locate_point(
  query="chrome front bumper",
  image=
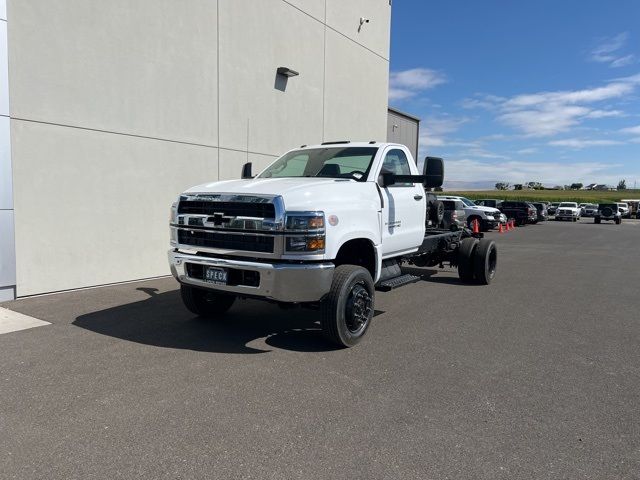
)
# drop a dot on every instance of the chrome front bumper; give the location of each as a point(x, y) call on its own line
point(284, 282)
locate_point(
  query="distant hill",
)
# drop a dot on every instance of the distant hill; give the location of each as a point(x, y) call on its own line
point(477, 185)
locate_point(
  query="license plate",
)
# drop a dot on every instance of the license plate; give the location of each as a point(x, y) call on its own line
point(215, 275)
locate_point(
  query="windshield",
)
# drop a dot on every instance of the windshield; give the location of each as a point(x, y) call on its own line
point(345, 162)
point(467, 202)
point(569, 204)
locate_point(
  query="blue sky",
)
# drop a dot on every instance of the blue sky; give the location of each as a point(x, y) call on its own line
point(522, 91)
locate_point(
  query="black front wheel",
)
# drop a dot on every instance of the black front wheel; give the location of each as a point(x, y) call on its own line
point(347, 310)
point(205, 303)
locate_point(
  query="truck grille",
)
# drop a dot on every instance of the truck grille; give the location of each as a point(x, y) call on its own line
point(227, 241)
point(228, 209)
point(227, 221)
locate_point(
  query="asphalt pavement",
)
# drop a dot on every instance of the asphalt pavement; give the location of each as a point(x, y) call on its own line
point(536, 376)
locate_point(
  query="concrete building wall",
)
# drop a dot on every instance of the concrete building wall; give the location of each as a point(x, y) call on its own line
point(116, 107)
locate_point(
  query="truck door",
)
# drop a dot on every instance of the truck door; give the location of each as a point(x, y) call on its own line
point(403, 213)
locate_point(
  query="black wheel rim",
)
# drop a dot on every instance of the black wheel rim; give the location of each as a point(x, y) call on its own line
point(358, 309)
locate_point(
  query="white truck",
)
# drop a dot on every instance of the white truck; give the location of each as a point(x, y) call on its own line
point(322, 226)
point(487, 217)
point(568, 211)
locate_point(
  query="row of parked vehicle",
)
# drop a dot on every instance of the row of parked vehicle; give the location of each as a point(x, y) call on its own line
point(610, 211)
point(491, 212)
point(591, 209)
point(460, 211)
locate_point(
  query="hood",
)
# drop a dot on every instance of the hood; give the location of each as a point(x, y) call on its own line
point(298, 193)
point(489, 210)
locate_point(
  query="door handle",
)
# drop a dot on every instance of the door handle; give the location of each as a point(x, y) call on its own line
point(417, 197)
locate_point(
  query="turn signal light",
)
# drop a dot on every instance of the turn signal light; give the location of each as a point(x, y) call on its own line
point(315, 244)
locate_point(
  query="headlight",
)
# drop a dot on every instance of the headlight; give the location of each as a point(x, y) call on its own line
point(308, 229)
point(305, 244)
point(305, 222)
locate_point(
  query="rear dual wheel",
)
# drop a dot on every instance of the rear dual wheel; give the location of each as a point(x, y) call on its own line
point(477, 261)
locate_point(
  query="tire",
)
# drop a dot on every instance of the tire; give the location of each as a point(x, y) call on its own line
point(596, 220)
point(485, 262)
point(347, 310)
point(205, 303)
point(435, 209)
point(574, 219)
point(466, 252)
point(436, 212)
point(618, 221)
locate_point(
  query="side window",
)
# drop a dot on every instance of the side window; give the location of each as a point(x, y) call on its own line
point(396, 162)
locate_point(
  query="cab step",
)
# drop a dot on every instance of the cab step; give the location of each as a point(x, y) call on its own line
point(396, 282)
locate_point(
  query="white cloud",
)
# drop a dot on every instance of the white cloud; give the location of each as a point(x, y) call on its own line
point(632, 130)
point(433, 131)
point(544, 114)
point(579, 143)
point(544, 120)
point(409, 83)
point(605, 113)
point(526, 151)
point(623, 61)
point(400, 94)
point(478, 152)
point(608, 51)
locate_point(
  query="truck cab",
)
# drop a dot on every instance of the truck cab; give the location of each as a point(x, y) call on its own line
point(321, 225)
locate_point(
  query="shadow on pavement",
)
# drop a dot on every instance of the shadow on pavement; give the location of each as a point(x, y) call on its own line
point(162, 321)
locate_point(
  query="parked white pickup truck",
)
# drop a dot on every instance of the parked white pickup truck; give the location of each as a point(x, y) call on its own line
point(488, 217)
point(568, 211)
point(322, 226)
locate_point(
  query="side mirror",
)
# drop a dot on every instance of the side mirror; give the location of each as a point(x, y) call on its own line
point(433, 172)
point(386, 179)
point(246, 170)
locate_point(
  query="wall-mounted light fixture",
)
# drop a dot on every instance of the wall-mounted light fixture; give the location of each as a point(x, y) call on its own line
point(287, 72)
